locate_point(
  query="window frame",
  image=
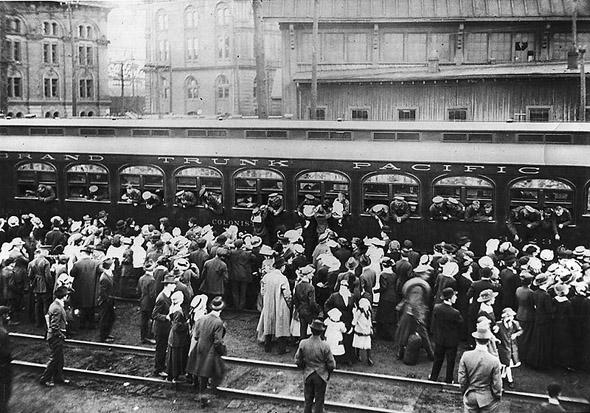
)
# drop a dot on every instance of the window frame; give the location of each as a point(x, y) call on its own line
point(541, 201)
point(463, 197)
point(391, 192)
point(322, 194)
point(258, 197)
point(142, 186)
point(359, 109)
point(34, 183)
point(456, 110)
point(88, 183)
point(548, 108)
point(199, 182)
point(411, 109)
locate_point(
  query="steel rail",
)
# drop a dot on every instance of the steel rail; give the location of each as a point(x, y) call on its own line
point(357, 374)
point(228, 391)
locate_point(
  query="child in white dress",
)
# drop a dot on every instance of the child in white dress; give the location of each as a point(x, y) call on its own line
point(363, 329)
point(334, 330)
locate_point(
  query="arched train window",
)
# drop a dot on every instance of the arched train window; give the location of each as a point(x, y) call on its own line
point(30, 175)
point(194, 178)
point(87, 182)
point(381, 188)
point(144, 178)
point(541, 193)
point(465, 189)
point(323, 185)
point(253, 186)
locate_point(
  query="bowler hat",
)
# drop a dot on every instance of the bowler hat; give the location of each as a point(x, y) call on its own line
point(217, 303)
point(464, 239)
point(317, 325)
point(447, 293)
point(482, 333)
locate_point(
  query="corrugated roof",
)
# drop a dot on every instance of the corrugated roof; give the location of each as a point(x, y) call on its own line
point(421, 73)
point(359, 10)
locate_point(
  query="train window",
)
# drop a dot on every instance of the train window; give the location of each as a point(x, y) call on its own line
point(558, 138)
point(406, 114)
point(320, 112)
point(457, 114)
point(539, 114)
point(323, 185)
point(97, 132)
point(330, 135)
point(194, 179)
point(384, 136)
point(541, 193)
point(160, 132)
point(408, 136)
point(465, 188)
point(380, 189)
point(87, 182)
point(30, 175)
point(318, 135)
point(46, 131)
point(253, 186)
point(143, 178)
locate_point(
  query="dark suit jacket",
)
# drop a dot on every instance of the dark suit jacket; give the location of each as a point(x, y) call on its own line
point(56, 320)
point(106, 287)
point(161, 308)
point(446, 325)
point(146, 287)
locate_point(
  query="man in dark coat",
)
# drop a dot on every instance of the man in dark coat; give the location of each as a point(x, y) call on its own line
point(161, 327)
point(403, 269)
point(209, 333)
point(41, 282)
point(446, 328)
point(215, 275)
point(240, 263)
point(85, 285)
point(106, 301)
point(5, 360)
point(529, 218)
point(315, 358)
point(510, 282)
point(304, 301)
point(56, 238)
point(399, 210)
point(200, 255)
point(146, 287)
point(56, 334)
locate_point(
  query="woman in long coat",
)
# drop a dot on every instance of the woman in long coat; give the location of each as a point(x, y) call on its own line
point(539, 353)
point(209, 332)
point(563, 346)
point(178, 339)
point(525, 314)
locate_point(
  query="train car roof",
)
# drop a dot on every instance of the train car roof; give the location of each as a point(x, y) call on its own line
point(189, 123)
point(359, 151)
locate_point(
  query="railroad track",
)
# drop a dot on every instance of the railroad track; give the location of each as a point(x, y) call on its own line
point(273, 375)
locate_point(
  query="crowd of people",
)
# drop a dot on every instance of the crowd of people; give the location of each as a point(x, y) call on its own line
point(530, 304)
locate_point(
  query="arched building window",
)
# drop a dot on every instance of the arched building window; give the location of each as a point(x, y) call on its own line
point(222, 15)
point(29, 175)
point(253, 186)
point(191, 18)
point(86, 86)
point(161, 21)
point(87, 182)
point(15, 84)
point(325, 186)
point(222, 87)
point(541, 193)
point(142, 177)
point(381, 188)
point(192, 88)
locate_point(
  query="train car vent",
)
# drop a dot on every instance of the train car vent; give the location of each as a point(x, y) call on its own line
point(160, 132)
point(408, 136)
point(558, 138)
point(217, 134)
point(481, 137)
point(3, 131)
point(454, 137)
point(281, 134)
point(197, 133)
point(140, 132)
point(88, 132)
point(106, 132)
point(318, 135)
point(37, 131)
point(530, 138)
point(384, 136)
point(55, 131)
point(255, 134)
point(341, 136)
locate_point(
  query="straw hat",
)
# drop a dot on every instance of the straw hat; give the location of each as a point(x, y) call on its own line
point(486, 295)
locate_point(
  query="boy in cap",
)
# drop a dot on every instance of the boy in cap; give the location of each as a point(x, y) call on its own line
point(315, 358)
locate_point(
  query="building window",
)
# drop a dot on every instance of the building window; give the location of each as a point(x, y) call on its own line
point(465, 189)
point(541, 193)
point(190, 18)
point(500, 47)
point(196, 179)
point(86, 88)
point(143, 178)
point(50, 54)
point(87, 182)
point(51, 86)
point(15, 86)
point(359, 114)
point(222, 85)
point(320, 112)
point(14, 48)
point(50, 29)
point(192, 88)
point(356, 47)
point(539, 114)
point(406, 114)
point(223, 47)
point(162, 21)
point(163, 50)
point(253, 186)
point(192, 48)
point(223, 16)
point(85, 32)
point(14, 25)
point(381, 188)
point(524, 47)
point(325, 186)
point(457, 114)
point(30, 175)
point(85, 55)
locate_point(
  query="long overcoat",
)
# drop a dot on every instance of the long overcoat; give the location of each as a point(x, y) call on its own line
point(275, 317)
point(208, 333)
point(85, 273)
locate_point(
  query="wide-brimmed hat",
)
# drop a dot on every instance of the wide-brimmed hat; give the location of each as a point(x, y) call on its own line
point(540, 279)
point(450, 269)
point(508, 312)
point(182, 264)
point(482, 333)
point(323, 237)
point(17, 241)
point(448, 293)
point(453, 201)
point(351, 264)
point(562, 289)
point(317, 325)
point(298, 248)
point(267, 251)
point(437, 199)
point(579, 251)
point(13, 221)
point(308, 269)
point(217, 303)
point(485, 262)
point(547, 255)
point(529, 208)
point(486, 295)
point(146, 195)
point(255, 241)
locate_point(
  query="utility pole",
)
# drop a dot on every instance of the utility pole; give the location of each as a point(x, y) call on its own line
point(582, 51)
point(261, 81)
point(73, 46)
point(3, 59)
point(122, 80)
point(315, 38)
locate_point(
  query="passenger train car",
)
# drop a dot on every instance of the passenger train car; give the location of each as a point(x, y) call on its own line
point(243, 161)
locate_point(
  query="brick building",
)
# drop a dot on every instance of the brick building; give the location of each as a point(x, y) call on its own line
point(200, 57)
point(484, 60)
point(54, 58)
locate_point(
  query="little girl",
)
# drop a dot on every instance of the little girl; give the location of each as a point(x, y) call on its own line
point(508, 331)
point(363, 329)
point(334, 330)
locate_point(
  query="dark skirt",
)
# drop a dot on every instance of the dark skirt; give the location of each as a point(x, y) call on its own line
point(539, 352)
point(524, 341)
point(386, 319)
point(176, 359)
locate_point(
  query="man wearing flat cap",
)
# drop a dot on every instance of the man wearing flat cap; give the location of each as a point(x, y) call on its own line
point(399, 210)
point(315, 358)
point(480, 375)
point(446, 328)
